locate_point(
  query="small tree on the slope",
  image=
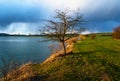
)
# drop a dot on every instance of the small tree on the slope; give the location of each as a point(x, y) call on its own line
point(116, 33)
point(62, 23)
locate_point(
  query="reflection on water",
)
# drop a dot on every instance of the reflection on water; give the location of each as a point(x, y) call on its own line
point(24, 49)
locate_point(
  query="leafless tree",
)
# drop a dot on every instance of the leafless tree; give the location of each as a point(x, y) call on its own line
point(63, 22)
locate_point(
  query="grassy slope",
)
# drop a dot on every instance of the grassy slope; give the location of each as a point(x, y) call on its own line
point(92, 60)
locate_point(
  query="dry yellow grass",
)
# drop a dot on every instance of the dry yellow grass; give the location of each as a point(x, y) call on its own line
point(20, 74)
point(82, 37)
point(69, 49)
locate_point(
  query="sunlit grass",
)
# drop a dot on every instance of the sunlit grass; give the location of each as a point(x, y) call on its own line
point(91, 60)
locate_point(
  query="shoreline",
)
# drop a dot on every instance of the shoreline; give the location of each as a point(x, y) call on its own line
point(69, 49)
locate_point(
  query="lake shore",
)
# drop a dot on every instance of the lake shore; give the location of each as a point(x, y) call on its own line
point(92, 60)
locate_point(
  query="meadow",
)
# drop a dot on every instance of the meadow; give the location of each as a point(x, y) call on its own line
point(92, 60)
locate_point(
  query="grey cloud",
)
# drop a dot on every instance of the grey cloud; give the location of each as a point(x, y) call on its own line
point(108, 10)
point(11, 13)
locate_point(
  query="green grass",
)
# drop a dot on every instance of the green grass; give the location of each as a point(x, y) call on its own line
point(92, 60)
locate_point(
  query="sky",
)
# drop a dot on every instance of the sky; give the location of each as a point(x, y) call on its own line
point(26, 16)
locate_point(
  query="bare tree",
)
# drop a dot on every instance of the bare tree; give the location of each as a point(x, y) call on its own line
point(63, 22)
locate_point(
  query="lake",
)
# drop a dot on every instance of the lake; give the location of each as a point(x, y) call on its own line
point(24, 49)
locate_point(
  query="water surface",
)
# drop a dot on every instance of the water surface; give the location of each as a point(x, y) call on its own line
point(24, 49)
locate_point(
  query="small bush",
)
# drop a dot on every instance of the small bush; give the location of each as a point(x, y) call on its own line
point(93, 36)
point(116, 33)
point(82, 37)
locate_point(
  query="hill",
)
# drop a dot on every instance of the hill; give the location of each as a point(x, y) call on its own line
point(4, 34)
point(92, 60)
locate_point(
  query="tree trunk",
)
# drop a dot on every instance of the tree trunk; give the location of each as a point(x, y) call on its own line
point(64, 47)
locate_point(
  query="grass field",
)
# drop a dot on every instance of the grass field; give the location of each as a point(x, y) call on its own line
point(92, 60)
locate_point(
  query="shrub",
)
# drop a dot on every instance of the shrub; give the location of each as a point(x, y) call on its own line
point(82, 37)
point(116, 33)
point(93, 36)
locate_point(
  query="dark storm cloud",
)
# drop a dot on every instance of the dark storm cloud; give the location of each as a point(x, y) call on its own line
point(102, 15)
point(16, 12)
point(108, 10)
point(102, 26)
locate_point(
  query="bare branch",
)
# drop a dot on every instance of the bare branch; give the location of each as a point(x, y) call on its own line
point(63, 22)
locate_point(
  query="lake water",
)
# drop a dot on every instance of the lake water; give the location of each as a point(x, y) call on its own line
point(24, 49)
